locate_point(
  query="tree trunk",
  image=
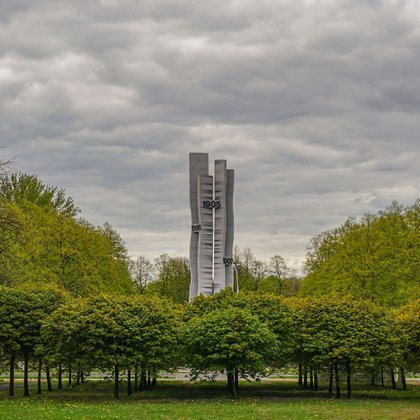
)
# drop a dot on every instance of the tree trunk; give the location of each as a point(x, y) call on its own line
point(237, 381)
point(229, 381)
point(393, 383)
point(141, 383)
point(311, 378)
point(315, 381)
point(330, 386)
point(136, 380)
point(382, 377)
point(149, 379)
point(300, 374)
point(154, 382)
point(39, 376)
point(305, 377)
point(231, 384)
point(48, 373)
point(70, 374)
point(12, 375)
point(129, 389)
point(116, 382)
point(78, 377)
point(25, 374)
point(144, 380)
point(348, 377)
point(82, 377)
point(337, 382)
point(60, 376)
point(403, 381)
point(372, 380)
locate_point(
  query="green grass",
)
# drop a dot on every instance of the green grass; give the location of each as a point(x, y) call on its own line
point(181, 400)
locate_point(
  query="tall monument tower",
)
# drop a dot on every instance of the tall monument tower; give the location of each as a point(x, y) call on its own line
point(212, 225)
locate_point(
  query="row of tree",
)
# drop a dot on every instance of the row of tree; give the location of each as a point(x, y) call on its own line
point(170, 276)
point(239, 334)
point(43, 240)
point(376, 258)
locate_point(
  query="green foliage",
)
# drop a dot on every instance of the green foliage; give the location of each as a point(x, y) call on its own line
point(343, 330)
point(46, 244)
point(408, 317)
point(273, 277)
point(173, 279)
point(268, 308)
point(23, 188)
point(230, 338)
point(101, 332)
point(376, 258)
point(21, 314)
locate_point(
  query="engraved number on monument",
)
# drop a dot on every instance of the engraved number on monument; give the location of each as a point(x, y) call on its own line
point(212, 204)
point(196, 227)
point(227, 260)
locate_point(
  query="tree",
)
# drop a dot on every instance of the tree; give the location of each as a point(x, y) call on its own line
point(21, 314)
point(375, 258)
point(19, 188)
point(251, 271)
point(142, 273)
point(173, 278)
point(229, 339)
point(114, 333)
point(52, 246)
point(9, 228)
point(408, 318)
point(268, 308)
point(348, 334)
point(279, 270)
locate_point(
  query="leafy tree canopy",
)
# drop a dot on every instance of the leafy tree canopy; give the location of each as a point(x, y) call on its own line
point(375, 258)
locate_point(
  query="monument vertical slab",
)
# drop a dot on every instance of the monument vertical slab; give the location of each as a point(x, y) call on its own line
point(199, 165)
point(230, 223)
point(211, 245)
point(205, 236)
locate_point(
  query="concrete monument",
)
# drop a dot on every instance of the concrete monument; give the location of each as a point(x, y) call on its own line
point(212, 225)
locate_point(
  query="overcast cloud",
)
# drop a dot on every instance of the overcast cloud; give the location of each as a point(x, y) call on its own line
point(314, 103)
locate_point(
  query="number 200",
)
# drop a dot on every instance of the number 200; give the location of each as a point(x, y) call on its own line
point(212, 204)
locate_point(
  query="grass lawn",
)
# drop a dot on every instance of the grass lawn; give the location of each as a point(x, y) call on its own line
point(181, 400)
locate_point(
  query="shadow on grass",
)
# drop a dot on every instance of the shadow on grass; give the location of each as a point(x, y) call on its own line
point(180, 391)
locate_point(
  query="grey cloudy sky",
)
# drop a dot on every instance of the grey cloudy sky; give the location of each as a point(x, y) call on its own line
point(314, 103)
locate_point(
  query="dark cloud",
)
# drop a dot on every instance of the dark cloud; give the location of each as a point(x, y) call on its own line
point(315, 104)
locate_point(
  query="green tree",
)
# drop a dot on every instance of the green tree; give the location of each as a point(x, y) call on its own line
point(19, 188)
point(229, 339)
point(268, 308)
point(21, 314)
point(53, 246)
point(408, 317)
point(173, 278)
point(376, 258)
point(114, 332)
point(348, 334)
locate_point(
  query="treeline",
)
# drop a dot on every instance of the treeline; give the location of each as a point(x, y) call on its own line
point(170, 276)
point(242, 335)
point(375, 258)
point(43, 241)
